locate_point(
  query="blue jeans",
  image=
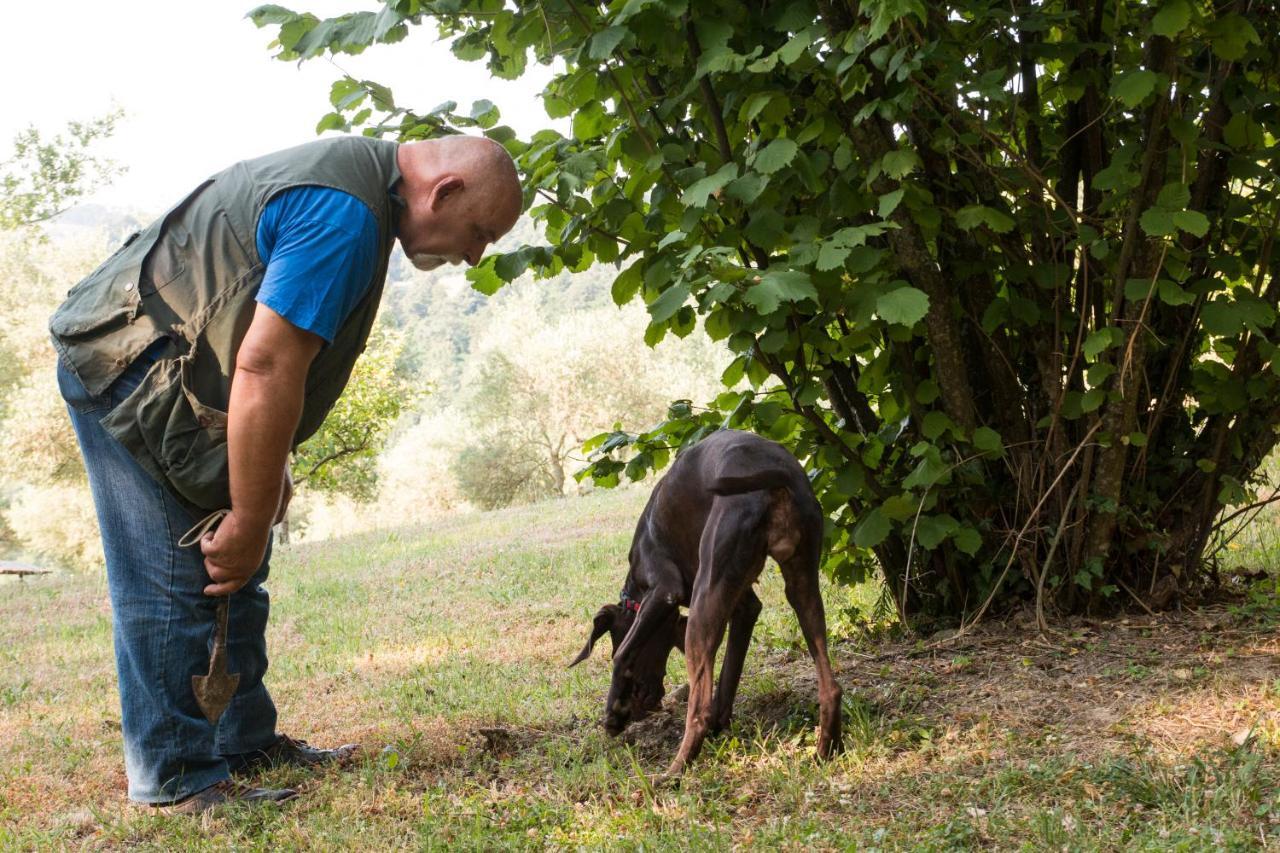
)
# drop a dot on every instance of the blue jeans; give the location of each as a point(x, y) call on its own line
point(163, 621)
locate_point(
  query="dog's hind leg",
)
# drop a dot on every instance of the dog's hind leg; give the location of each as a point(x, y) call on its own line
point(729, 551)
point(801, 576)
point(741, 625)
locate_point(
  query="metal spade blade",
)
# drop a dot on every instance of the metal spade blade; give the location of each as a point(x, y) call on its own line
point(214, 691)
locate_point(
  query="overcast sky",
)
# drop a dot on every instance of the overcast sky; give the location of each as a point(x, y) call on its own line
point(200, 89)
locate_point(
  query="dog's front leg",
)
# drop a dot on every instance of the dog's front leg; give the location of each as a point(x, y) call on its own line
point(708, 614)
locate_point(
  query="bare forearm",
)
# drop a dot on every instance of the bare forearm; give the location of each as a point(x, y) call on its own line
point(261, 420)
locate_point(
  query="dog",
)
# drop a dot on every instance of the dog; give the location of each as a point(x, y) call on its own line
point(727, 503)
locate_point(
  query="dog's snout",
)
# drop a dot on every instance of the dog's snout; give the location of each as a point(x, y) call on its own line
point(617, 716)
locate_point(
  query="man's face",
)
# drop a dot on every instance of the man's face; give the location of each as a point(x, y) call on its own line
point(452, 222)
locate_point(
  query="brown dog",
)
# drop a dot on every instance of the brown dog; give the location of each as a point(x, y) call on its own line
point(727, 504)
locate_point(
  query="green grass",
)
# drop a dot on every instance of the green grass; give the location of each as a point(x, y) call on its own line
point(443, 651)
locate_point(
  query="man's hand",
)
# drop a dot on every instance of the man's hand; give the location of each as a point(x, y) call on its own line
point(233, 552)
point(285, 496)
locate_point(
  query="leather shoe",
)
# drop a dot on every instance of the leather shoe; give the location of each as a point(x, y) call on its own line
point(288, 752)
point(221, 793)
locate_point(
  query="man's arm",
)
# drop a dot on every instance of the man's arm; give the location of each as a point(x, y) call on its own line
point(262, 417)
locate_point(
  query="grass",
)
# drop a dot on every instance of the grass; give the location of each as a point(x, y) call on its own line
point(442, 650)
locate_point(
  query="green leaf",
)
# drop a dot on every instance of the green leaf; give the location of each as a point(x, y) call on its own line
point(1243, 132)
point(747, 188)
point(1133, 88)
point(483, 277)
point(906, 305)
point(485, 113)
point(1231, 36)
point(1226, 318)
point(780, 286)
point(971, 216)
point(872, 530)
point(775, 156)
point(898, 164)
point(590, 121)
point(654, 333)
point(1172, 18)
point(627, 284)
point(699, 191)
point(1100, 340)
point(935, 424)
point(669, 302)
point(930, 470)
point(765, 228)
point(1172, 294)
point(1092, 399)
point(932, 529)
point(831, 255)
point(1222, 317)
point(968, 540)
point(793, 49)
point(1192, 221)
point(1175, 196)
point(606, 41)
point(988, 441)
point(889, 202)
point(1099, 373)
point(511, 265)
point(1137, 289)
point(1158, 222)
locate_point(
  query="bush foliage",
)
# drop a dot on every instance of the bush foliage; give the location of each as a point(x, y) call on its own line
point(1002, 275)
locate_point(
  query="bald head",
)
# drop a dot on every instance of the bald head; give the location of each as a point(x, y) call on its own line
point(461, 193)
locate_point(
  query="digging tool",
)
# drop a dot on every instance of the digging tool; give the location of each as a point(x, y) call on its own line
point(214, 691)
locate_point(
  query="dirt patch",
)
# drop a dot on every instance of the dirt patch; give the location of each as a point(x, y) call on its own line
point(1178, 680)
point(1173, 683)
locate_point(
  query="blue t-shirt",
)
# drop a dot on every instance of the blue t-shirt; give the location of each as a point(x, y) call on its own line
point(320, 247)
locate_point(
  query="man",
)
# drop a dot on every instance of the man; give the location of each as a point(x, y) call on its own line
point(193, 361)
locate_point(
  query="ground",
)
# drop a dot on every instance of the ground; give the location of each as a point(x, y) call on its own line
point(443, 651)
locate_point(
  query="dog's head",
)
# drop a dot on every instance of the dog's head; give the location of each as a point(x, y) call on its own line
point(637, 687)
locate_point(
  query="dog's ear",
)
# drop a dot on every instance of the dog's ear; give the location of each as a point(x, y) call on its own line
point(677, 630)
point(600, 626)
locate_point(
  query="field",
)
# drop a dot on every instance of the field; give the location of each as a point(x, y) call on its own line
point(443, 651)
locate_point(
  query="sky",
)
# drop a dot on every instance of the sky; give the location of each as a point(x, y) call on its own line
point(200, 88)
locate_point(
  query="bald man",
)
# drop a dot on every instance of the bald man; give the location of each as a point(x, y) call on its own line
point(193, 361)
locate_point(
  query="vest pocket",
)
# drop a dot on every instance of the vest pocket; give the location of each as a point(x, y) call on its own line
point(186, 437)
point(106, 299)
point(168, 260)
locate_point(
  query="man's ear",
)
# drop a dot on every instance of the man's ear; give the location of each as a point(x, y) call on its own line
point(600, 626)
point(445, 187)
point(682, 624)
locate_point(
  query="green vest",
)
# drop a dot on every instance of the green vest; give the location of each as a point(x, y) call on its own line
point(191, 277)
